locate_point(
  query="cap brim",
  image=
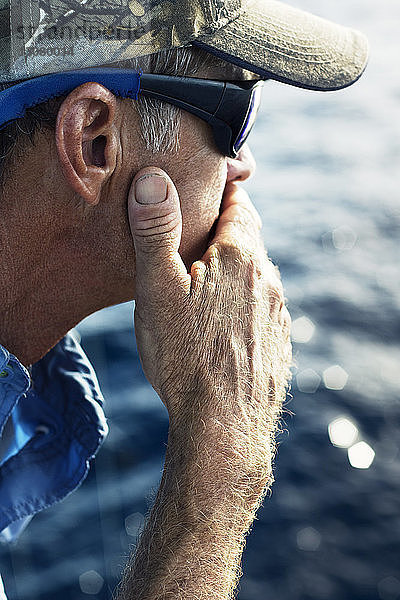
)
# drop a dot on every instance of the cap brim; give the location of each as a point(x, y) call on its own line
point(280, 42)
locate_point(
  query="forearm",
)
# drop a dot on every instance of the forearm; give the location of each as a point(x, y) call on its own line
point(192, 544)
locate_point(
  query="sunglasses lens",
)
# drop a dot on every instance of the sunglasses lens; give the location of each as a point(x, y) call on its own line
point(250, 117)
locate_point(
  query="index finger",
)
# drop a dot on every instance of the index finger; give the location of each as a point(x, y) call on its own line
point(239, 221)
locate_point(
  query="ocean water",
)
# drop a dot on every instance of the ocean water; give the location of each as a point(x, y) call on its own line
point(327, 187)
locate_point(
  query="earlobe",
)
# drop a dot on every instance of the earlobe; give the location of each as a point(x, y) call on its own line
point(86, 139)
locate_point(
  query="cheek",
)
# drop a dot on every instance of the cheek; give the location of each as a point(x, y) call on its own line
point(195, 233)
point(200, 210)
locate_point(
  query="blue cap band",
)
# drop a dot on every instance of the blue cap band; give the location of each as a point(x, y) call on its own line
point(15, 100)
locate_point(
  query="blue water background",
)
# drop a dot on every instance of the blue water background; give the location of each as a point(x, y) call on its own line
point(327, 187)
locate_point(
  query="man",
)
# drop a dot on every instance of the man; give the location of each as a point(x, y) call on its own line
point(93, 216)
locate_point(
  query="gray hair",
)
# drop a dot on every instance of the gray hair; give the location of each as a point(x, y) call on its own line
point(159, 121)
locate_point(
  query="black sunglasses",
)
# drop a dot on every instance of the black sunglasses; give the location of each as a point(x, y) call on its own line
point(230, 107)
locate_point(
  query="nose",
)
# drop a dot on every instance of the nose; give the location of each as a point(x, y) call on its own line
point(242, 167)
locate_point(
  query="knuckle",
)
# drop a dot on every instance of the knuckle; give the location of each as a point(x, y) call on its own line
point(213, 260)
point(226, 251)
point(213, 252)
point(235, 261)
point(250, 264)
point(197, 272)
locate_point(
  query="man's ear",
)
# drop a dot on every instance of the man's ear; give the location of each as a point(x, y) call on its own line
point(86, 139)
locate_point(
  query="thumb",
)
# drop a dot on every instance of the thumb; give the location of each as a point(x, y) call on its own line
point(155, 220)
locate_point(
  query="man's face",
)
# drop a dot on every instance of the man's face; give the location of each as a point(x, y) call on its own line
point(200, 173)
point(198, 170)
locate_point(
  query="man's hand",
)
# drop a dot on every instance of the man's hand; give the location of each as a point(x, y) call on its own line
point(215, 345)
point(213, 327)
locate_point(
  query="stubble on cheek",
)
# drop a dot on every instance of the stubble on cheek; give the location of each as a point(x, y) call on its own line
point(199, 172)
point(200, 204)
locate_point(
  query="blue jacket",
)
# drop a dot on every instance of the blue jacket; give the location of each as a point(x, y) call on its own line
point(51, 424)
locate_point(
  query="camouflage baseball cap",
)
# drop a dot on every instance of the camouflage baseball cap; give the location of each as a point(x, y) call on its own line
point(266, 37)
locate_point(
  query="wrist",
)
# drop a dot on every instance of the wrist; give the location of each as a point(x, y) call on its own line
point(218, 464)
